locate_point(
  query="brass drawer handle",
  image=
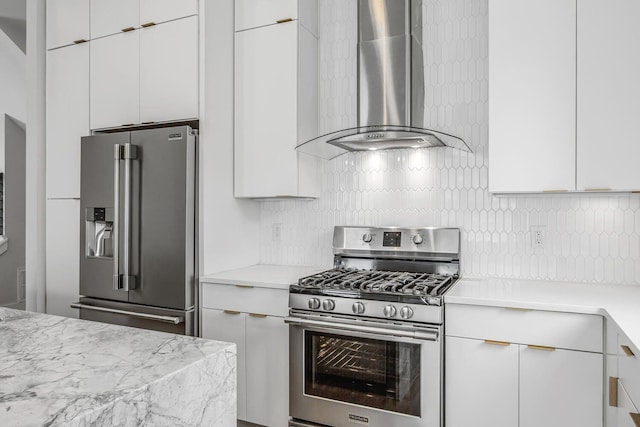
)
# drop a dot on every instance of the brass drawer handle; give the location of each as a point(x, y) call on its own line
point(126, 30)
point(635, 418)
point(555, 191)
point(231, 312)
point(282, 21)
point(502, 343)
point(245, 286)
point(541, 347)
point(148, 24)
point(613, 392)
point(517, 309)
point(597, 189)
point(80, 41)
point(257, 315)
point(627, 350)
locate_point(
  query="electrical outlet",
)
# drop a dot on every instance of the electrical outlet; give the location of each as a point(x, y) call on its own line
point(22, 290)
point(276, 232)
point(537, 237)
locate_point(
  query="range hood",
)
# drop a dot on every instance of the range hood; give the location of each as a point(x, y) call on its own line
point(390, 85)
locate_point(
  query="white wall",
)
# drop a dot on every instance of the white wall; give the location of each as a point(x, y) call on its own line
point(588, 238)
point(13, 92)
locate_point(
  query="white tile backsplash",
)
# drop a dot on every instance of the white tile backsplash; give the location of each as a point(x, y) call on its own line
point(587, 238)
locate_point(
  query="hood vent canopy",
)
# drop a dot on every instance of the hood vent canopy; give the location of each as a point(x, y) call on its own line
point(390, 85)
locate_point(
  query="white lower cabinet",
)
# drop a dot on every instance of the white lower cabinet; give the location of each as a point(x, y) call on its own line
point(253, 319)
point(560, 388)
point(481, 383)
point(63, 256)
point(527, 370)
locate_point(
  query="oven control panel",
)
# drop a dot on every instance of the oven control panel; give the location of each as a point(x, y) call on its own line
point(367, 308)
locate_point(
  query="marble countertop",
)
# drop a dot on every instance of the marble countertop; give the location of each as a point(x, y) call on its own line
point(262, 275)
point(57, 371)
point(619, 303)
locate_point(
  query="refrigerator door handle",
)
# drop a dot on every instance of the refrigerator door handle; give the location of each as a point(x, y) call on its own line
point(117, 156)
point(130, 152)
point(176, 320)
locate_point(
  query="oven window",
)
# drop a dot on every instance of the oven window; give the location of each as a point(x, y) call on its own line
point(373, 373)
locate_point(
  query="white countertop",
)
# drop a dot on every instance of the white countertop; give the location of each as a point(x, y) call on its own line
point(57, 371)
point(619, 303)
point(262, 276)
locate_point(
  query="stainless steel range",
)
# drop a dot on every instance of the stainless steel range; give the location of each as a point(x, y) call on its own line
point(366, 336)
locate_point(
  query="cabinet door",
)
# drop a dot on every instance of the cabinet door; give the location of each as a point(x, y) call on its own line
point(627, 414)
point(267, 370)
point(560, 388)
point(67, 21)
point(169, 71)
point(113, 16)
point(63, 256)
point(67, 118)
point(473, 368)
point(257, 13)
point(532, 95)
point(157, 11)
point(266, 113)
point(608, 94)
point(230, 327)
point(115, 91)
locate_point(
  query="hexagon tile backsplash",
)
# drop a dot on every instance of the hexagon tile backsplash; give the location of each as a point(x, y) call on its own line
point(586, 238)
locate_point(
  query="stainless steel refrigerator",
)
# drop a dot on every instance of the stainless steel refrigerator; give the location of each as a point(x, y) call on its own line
point(138, 229)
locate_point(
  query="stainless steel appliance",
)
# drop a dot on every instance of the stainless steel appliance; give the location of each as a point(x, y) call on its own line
point(138, 229)
point(366, 337)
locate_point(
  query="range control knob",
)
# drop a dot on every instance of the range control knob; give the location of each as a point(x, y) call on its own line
point(406, 312)
point(357, 308)
point(314, 303)
point(389, 311)
point(328, 304)
point(417, 239)
point(367, 237)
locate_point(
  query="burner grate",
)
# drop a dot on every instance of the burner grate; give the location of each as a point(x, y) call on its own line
point(379, 282)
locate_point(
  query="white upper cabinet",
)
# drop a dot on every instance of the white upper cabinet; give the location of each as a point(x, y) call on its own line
point(532, 95)
point(157, 11)
point(114, 71)
point(113, 16)
point(276, 97)
point(608, 95)
point(169, 71)
point(67, 22)
point(67, 117)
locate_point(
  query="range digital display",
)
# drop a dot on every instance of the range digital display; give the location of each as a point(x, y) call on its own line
point(392, 239)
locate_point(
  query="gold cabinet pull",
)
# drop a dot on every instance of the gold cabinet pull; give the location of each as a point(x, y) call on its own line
point(541, 347)
point(597, 189)
point(257, 315)
point(244, 286)
point(126, 30)
point(148, 24)
point(517, 309)
point(492, 342)
point(627, 350)
point(613, 392)
point(555, 191)
point(282, 21)
point(231, 312)
point(635, 418)
point(80, 41)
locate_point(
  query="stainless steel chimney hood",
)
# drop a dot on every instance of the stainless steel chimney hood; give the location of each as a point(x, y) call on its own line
point(390, 85)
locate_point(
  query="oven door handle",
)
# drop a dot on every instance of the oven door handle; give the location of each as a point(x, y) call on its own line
point(419, 335)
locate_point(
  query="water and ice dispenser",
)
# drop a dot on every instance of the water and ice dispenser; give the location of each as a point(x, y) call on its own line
point(99, 232)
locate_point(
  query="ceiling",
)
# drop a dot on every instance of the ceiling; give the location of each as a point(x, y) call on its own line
point(13, 21)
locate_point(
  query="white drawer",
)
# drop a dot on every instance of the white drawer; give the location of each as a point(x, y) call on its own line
point(246, 299)
point(531, 327)
point(629, 368)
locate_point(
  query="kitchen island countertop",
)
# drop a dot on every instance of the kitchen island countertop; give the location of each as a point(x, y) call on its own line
point(57, 371)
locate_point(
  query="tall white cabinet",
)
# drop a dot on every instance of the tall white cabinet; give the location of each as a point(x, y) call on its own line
point(276, 98)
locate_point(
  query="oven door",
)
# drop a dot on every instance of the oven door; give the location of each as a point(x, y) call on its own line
point(345, 371)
